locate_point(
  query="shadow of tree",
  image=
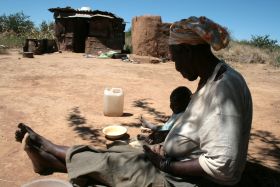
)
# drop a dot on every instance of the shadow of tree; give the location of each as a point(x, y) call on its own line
point(131, 124)
point(271, 148)
point(257, 175)
point(145, 105)
point(78, 122)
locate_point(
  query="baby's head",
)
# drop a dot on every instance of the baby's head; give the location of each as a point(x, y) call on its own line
point(179, 99)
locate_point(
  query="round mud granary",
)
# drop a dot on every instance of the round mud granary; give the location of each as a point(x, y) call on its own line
point(150, 36)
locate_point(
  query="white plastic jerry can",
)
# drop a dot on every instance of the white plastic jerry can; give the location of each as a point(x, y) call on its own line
point(113, 102)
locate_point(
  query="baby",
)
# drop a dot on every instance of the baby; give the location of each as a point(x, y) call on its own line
point(179, 100)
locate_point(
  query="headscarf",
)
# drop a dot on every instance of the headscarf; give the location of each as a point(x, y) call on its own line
point(196, 31)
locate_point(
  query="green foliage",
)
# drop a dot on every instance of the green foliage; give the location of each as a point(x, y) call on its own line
point(128, 33)
point(263, 42)
point(128, 46)
point(15, 28)
point(17, 23)
point(278, 60)
point(12, 40)
point(44, 31)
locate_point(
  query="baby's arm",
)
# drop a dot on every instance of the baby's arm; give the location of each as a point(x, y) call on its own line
point(147, 124)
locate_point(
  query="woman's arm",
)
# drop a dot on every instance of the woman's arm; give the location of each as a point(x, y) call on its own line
point(176, 168)
point(186, 168)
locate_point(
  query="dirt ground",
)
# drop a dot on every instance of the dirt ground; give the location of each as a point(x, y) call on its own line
point(61, 96)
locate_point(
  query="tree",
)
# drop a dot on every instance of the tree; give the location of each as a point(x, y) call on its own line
point(3, 21)
point(18, 23)
point(46, 30)
point(263, 41)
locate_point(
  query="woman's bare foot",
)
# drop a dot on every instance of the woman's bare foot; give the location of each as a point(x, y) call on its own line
point(40, 142)
point(36, 139)
point(19, 134)
point(43, 163)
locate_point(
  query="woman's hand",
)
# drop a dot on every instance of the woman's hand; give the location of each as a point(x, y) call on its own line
point(155, 155)
point(177, 168)
point(158, 149)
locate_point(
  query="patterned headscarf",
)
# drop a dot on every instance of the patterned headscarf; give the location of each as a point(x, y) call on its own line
point(196, 31)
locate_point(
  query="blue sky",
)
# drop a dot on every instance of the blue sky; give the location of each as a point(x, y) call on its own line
point(244, 18)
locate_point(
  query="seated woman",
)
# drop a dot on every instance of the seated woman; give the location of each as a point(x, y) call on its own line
point(217, 121)
point(179, 100)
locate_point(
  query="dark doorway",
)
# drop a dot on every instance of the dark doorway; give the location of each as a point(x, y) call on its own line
point(80, 34)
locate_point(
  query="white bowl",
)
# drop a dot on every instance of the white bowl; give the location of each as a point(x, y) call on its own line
point(114, 131)
point(47, 183)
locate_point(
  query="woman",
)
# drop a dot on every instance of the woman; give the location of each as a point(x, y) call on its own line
point(207, 145)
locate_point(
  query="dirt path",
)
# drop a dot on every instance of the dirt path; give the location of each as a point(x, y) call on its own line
point(61, 97)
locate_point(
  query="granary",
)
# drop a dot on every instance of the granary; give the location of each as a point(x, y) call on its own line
point(88, 31)
point(150, 36)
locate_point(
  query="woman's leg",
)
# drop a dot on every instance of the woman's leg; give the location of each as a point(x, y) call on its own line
point(41, 142)
point(46, 156)
point(43, 163)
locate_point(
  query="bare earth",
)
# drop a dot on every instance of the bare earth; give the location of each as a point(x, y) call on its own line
point(61, 97)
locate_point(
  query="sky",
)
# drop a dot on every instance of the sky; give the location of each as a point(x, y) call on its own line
point(243, 18)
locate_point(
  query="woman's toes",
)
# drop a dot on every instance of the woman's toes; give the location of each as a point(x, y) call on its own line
point(21, 126)
point(19, 135)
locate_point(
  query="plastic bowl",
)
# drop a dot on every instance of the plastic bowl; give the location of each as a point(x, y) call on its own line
point(47, 183)
point(114, 131)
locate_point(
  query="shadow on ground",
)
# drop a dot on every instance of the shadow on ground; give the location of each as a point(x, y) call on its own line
point(257, 175)
point(79, 124)
point(145, 105)
point(270, 149)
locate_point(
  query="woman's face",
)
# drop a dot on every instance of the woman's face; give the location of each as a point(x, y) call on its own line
point(182, 56)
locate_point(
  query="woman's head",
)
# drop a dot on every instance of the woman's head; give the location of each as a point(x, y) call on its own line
point(188, 58)
point(190, 43)
point(179, 99)
point(196, 31)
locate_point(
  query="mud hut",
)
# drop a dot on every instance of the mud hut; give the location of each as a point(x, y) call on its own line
point(88, 31)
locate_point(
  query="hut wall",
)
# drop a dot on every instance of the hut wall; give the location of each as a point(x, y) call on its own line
point(95, 44)
point(104, 35)
point(90, 35)
point(64, 32)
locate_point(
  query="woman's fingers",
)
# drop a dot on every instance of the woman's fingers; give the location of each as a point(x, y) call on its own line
point(156, 148)
point(148, 150)
point(153, 157)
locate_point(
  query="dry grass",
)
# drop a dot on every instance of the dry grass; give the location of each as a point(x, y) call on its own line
point(3, 50)
point(241, 53)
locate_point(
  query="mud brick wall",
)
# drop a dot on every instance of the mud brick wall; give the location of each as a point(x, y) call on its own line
point(150, 36)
